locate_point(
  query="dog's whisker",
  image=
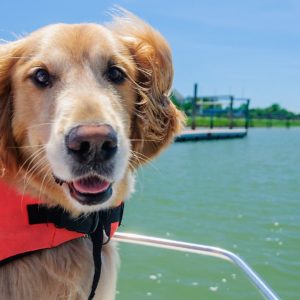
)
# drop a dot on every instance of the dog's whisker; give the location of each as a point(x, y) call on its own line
point(34, 155)
point(136, 160)
point(36, 168)
point(49, 180)
point(30, 171)
point(28, 176)
point(143, 140)
point(25, 184)
point(41, 124)
point(28, 146)
point(41, 170)
point(141, 155)
point(43, 181)
point(141, 158)
point(30, 160)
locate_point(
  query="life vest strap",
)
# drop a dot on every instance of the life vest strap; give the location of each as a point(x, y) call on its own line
point(94, 225)
point(87, 224)
point(39, 214)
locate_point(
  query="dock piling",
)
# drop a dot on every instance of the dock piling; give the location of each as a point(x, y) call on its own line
point(194, 103)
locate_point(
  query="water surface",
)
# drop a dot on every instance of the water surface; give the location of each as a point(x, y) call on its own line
point(243, 195)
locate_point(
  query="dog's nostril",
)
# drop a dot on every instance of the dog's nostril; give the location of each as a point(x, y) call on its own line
point(109, 148)
point(108, 145)
point(84, 147)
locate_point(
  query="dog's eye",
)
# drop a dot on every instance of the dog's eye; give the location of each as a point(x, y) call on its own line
point(115, 75)
point(41, 77)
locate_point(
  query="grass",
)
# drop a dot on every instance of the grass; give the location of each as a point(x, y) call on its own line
point(224, 122)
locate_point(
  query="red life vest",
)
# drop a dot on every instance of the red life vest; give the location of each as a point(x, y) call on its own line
point(18, 236)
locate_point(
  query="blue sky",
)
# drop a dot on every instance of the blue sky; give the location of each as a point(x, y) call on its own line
point(248, 48)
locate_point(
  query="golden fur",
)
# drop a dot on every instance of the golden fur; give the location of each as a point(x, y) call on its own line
point(34, 122)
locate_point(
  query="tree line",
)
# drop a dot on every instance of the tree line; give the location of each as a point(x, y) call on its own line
point(274, 111)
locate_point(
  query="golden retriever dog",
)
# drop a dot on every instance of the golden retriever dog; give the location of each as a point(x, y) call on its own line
point(83, 105)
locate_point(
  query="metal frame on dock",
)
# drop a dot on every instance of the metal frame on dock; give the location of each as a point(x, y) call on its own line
point(202, 250)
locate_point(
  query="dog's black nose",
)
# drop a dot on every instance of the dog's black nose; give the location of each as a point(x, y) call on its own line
point(87, 143)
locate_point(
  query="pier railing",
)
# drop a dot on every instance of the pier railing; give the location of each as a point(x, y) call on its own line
point(218, 111)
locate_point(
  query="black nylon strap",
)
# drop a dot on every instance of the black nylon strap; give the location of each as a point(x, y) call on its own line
point(93, 224)
point(97, 240)
point(107, 217)
point(39, 214)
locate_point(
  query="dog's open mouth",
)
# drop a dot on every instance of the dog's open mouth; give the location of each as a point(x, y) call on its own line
point(90, 185)
point(89, 190)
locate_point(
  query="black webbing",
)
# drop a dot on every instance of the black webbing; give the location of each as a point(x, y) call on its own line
point(39, 214)
point(93, 224)
point(107, 217)
point(97, 240)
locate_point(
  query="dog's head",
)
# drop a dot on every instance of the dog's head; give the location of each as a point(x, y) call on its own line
point(81, 107)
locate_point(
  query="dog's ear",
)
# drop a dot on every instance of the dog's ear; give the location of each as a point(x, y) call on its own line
point(156, 120)
point(9, 55)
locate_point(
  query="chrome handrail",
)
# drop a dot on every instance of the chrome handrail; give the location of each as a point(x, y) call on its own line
point(138, 239)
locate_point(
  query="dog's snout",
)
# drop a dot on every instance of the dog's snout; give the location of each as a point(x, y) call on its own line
point(87, 143)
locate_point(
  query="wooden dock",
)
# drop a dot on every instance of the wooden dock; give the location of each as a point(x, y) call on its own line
point(210, 134)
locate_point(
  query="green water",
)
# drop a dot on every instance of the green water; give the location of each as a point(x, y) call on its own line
point(243, 195)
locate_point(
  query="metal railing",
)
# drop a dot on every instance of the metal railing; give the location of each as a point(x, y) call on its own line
point(265, 290)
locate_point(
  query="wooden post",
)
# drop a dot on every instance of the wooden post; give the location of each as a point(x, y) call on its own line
point(247, 114)
point(194, 107)
point(269, 120)
point(212, 117)
point(287, 122)
point(231, 113)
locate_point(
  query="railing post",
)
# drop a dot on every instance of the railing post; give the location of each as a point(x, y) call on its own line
point(287, 123)
point(247, 115)
point(211, 121)
point(269, 120)
point(194, 107)
point(231, 113)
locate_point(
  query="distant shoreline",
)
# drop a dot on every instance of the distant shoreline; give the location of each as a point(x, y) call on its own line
point(240, 122)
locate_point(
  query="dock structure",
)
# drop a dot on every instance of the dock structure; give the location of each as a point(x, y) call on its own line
point(213, 110)
point(210, 134)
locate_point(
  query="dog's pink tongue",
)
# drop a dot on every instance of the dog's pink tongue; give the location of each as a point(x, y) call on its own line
point(91, 185)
